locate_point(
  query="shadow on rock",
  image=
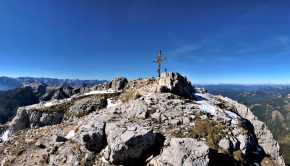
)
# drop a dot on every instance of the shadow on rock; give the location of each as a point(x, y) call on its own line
point(153, 151)
point(254, 152)
point(220, 159)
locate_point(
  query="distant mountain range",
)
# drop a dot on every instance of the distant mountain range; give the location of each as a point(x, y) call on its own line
point(22, 91)
point(10, 100)
point(7, 83)
point(240, 87)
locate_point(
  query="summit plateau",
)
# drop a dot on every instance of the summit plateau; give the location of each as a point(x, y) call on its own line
point(148, 121)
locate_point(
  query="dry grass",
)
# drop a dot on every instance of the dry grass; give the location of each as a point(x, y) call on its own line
point(238, 155)
point(77, 145)
point(127, 95)
point(17, 151)
point(211, 131)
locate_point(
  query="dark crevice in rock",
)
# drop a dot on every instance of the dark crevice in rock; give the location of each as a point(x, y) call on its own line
point(220, 159)
point(159, 143)
point(254, 152)
point(105, 142)
point(153, 150)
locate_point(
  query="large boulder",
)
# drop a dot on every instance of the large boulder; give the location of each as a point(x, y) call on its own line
point(134, 109)
point(86, 106)
point(119, 83)
point(92, 136)
point(26, 118)
point(226, 145)
point(67, 155)
point(40, 119)
point(183, 151)
point(128, 143)
point(176, 84)
point(20, 121)
point(100, 87)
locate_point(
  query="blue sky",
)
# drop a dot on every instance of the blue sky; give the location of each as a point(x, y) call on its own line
point(208, 41)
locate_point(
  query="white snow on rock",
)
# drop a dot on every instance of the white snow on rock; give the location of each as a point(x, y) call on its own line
point(5, 136)
point(233, 117)
point(111, 104)
point(206, 107)
point(201, 96)
point(70, 134)
point(100, 92)
point(48, 104)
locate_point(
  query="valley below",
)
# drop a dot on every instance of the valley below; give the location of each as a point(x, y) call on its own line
point(271, 104)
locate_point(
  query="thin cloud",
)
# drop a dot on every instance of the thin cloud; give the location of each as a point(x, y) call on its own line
point(282, 40)
point(263, 45)
point(185, 49)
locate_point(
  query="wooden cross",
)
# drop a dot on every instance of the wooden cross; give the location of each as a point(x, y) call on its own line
point(158, 60)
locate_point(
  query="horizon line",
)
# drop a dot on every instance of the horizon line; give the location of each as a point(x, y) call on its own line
point(221, 83)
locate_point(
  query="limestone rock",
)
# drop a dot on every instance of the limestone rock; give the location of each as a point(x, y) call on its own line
point(133, 132)
point(262, 133)
point(128, 143)
point(92, 136)
point(119, 83)
point(66, 156)
point(40, 144)
point(20, 121)
point(87, 105)
point(226, 145)
point(183, 151)
point(134, 108)
point(176, 84)
point(27, 118)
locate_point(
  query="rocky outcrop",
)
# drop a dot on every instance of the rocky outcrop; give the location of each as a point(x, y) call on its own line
point(29, 95)
point(86, 106)
point(119, 83)
point(227, 145)
point(128, 143)
point(26, 118)
point(67, 156)
point(176, 84)
point(259, 129)
point(183, 151)
point(116, 84)
point(141, 126)
point(134, 109)
point(93, 136)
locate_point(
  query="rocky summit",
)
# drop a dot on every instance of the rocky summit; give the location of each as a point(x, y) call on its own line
point(154, 122)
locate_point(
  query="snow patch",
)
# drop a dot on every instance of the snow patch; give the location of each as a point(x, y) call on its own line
point(233, 117)
point(201, 96)
point(206, 107)
point(111, 104)
point(101, 92)
point(5, 136)
point(70, 134)
point(104, 160)
point(48, 104)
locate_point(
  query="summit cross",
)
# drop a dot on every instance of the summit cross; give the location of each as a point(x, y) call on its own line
point(158, 60)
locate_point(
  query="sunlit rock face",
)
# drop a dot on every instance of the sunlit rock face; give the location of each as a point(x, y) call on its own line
point(176, 84)
point(163, 121)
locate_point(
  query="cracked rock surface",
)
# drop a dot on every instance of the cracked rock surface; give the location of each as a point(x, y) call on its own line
point(163, 121)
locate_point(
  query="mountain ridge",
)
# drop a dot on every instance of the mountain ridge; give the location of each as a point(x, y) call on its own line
point(163, 121)
point(7, 83)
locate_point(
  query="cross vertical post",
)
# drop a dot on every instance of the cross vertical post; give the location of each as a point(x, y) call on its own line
point(158, 60)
